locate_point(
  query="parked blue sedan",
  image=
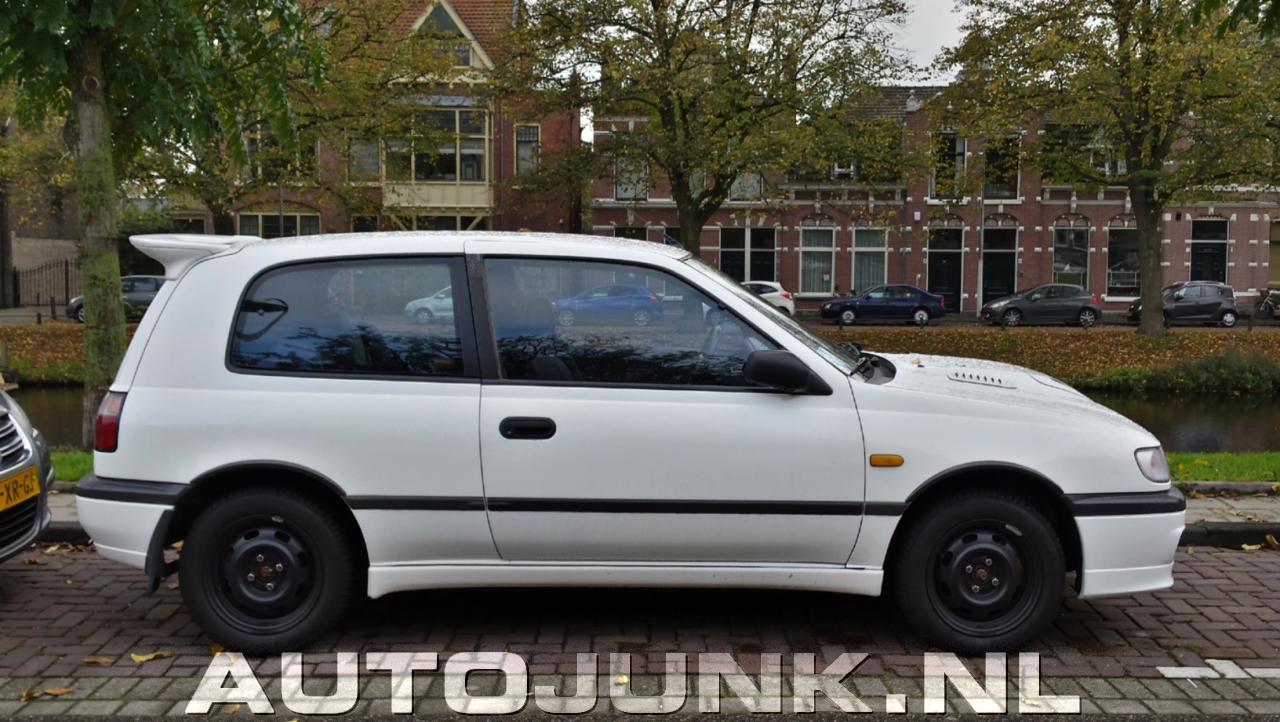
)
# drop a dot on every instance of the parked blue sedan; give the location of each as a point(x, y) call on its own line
point(610, 304)
point(891, 302)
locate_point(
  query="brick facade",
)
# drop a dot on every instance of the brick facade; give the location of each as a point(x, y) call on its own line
point(1003, 243)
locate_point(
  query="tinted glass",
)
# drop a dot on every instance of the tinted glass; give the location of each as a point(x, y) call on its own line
point(549, 324)
point(372, 317)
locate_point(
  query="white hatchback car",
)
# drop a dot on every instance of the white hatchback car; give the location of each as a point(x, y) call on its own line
point(278, 412)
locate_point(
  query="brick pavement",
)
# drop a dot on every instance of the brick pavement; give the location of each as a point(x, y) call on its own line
point(73, 604)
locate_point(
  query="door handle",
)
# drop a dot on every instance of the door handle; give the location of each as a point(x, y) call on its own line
point(527, 427)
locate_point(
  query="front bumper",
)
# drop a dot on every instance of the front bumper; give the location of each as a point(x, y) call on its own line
point(1128, 541)
point(22, 525)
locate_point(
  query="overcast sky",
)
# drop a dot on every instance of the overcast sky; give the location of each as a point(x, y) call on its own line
point(931, 25)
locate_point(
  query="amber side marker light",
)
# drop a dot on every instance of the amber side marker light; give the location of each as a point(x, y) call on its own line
point(886, 460)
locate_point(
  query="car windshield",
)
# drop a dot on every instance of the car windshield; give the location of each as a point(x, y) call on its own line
point(844, 359)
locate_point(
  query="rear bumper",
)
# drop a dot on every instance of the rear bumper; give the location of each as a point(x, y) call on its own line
point(128, 519)
point(1128, 541)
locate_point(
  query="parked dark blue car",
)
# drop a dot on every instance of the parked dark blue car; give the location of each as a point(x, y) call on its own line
point(610, 304)
point(891, 302)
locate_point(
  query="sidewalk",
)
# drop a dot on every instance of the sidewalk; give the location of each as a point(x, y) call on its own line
point(1225, 514)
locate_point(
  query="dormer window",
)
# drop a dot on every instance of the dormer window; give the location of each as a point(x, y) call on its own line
point(441, 25)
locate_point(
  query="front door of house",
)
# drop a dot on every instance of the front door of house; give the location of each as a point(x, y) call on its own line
point(944, 276)
point(1209, 262)
point(999, 274)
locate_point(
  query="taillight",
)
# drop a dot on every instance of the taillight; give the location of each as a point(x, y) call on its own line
point(942, 302)
point(1096, 301)
point(786, 295)
point(106, 427)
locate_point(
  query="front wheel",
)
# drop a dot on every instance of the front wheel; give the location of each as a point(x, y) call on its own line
point(847, 317)
point(267, 571)
point(423, 316)
point(1012, 317)
point(981, 572)
point(566, 318)
point(1228, 319)
point(1087, 318)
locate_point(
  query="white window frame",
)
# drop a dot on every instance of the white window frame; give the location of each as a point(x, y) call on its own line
point(1088, 246)
point(829, 250)
point(855, 250)
point(458, 139)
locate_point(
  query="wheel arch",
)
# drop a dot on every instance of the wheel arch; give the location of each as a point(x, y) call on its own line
point(223, 480)
point(1021, 481)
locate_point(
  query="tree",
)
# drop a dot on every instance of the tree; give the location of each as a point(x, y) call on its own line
point(127, 74)
point(1128, 93)
point(1263, 13)
point(715, 90)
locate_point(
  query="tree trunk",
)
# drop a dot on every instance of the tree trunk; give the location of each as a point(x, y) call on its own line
point(104, 329)
point(224, 221)
point(691, 232)
point(1147, 209)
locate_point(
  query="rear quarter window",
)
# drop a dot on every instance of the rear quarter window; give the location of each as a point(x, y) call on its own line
point(379, 317)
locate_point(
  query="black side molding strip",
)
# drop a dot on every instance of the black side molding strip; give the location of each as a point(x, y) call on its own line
point(417, 503)
point(1152, 502)
point(679, 506)
point(92, 486)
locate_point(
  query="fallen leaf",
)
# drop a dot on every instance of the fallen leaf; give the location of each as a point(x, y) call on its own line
point(1273, 542)
point(1197, 494)
point(176, 546)
point(53, 549)
point(1251, 547)
point(232, 709)
point(143, 658)
point(172, 585)
point(621, 679)
point(71, 581)
point(31, 561)
point(57, 691)
point(30, 694)
point(216, 649)
point(100, 661)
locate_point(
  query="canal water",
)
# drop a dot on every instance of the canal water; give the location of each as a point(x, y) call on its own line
point(1181, 423)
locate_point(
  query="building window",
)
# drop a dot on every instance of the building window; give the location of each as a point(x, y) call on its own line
point(1002, 166)
point(439, 24)
point(528, 147)
point(427, 158)
point(948, 167)
point(363, 163)
point(364, 224)
point(747, 187)
point(277, 225)
point(870, 258)
point(446, 222)
point(747, 254)
point(188, 225)
point(1071, 256)
point(1122, 262)
point(631, 182)
point(1209, 249)
point(817, 261)
point(637, 233)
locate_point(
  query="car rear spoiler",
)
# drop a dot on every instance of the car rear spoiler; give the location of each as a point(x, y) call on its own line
point(177, 251)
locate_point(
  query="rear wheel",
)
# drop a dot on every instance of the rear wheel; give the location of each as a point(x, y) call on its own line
point(641, 317)
point(267, 571)
point(1228, 319)
point(80, 313)
point(1088, 317)
point(983, 571)
point(920, 317)
point(423, 315)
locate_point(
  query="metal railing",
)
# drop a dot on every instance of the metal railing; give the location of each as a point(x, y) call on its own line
point(50, 282)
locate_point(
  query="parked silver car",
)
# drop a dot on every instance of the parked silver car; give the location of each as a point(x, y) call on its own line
point(436, 307)
point(26, 473)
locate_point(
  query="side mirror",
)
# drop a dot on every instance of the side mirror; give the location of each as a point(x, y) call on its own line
point(1034, 297)
point(782, 371)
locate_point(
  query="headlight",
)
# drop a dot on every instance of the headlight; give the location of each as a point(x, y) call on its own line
point(1153, 464)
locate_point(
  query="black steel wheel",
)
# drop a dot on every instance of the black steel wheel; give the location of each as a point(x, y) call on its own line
point(267, 571)
point(983, 571)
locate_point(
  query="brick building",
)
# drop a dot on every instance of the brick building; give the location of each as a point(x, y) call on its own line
point(822, 237)
point(472, 185)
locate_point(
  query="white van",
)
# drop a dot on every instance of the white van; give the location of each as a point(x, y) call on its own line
point(311, 442)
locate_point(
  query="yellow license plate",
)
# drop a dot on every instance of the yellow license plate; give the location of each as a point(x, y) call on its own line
point(18, 488)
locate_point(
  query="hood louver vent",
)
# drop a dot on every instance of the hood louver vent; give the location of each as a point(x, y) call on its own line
point(981, 378)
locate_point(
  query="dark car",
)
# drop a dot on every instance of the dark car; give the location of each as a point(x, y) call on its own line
point(1196, 302)
point(891, 302)
point(610, 304)
point(1046, 303)
point(138, 292)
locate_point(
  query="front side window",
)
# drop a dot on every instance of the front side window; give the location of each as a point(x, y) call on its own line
point(601, 323)
point(1071, 256)
point(382, 317)
point(817, 260)
point(1122, 262)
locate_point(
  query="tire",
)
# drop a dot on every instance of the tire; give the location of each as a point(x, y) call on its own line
point(1088, 318)
point(920, 317)
point(944, 556)
point(79, 314)
point(566, 318)
point(848, 317)
point(1012, 317)
point(256, 607)
point(642, 318)
point(423, 316)
point(1228, 319)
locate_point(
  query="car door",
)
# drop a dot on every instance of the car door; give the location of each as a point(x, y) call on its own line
point(875, 303)
point(644, 444)
point(1187, 302)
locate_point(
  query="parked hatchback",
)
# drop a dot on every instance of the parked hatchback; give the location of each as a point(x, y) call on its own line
point(773, 293)
point(310, 445)
point(1047, 303)
point(1196, 302)
point(26, 473)
point(137, 294)
point(892, 302)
